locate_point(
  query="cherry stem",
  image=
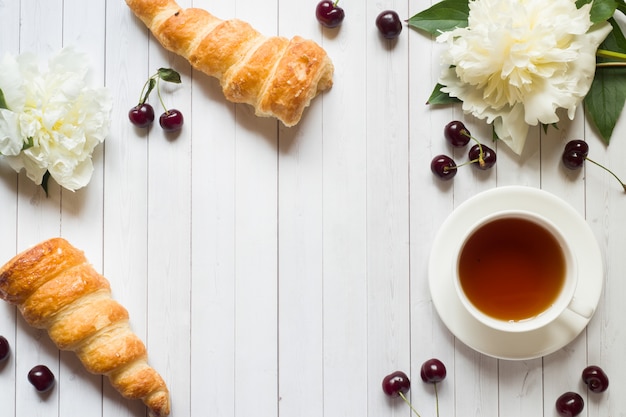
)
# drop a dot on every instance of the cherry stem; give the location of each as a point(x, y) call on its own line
point(158, 80)
point(481, 154)
point(409, 403)
point(609, 171)
point(142, 99)
point(436, 399)
point(335, 3)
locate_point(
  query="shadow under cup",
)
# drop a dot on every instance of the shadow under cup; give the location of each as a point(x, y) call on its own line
point(515, 272)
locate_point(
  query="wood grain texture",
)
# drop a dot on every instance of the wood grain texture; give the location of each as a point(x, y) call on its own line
point(284, 271)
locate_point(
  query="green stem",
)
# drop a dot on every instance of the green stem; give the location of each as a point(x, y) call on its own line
point(142, 98)
point(610, 64)
point(619, 56)
point(481, 154)
point(409, 403)
point(609, 171)
point(603, 53)
point(436, 399)
point(158, 80)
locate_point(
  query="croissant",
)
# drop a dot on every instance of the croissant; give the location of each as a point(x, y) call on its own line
point(56, 289)
point(277, 76)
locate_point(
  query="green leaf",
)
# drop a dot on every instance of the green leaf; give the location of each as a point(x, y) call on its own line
point(441, 17)
point(606, 97)
point(151, 85)
point(615, 41)
point(29, 143)
point(545, 127)
point(439, 97)
point(601, 10)
point(621, 6)
point(3, 103)
point(169, 75)
point(44, 182)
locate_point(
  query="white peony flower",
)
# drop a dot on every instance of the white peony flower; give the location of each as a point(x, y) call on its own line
point(53, 120)
point(518, 61)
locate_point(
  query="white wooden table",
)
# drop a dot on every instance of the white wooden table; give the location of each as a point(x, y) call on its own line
point(283, 272)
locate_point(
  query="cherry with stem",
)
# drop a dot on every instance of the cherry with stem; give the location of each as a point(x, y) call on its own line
point(576, 153)
point(142, 114)
point(433, 371)
point(329, 14)
point(482, 156)
point(458, 135)
point(443, 167)
point(477, 152)
point(397, 384)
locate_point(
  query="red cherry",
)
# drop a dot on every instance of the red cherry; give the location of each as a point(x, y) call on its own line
point(457, 134)
point(433, 371)
point(484, 161)
point(142, 115)
point(575, 154)
point(4, 348)
point(595, 378)
point(389, 24)
point(443, 167)
point(172, 120)
point(41, 377)
point(396, 383)
point(329, 14)
point(569, 404)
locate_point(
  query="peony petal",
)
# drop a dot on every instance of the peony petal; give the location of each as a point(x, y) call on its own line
point(11, 139)
point(512, 129)
point(33, 168)
point(11, 83)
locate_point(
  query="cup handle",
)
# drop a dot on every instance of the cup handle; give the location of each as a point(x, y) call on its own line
point(580, 308)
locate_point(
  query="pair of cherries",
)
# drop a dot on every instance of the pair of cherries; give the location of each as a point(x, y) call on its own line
point(329, 14)
point(397, 384)
point(571, 404)
point(142, 115)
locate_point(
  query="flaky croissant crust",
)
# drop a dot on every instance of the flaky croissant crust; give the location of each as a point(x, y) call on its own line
point(277, 76)
point(56, 289)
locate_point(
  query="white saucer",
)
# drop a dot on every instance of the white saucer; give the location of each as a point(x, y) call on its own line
point(514, 346)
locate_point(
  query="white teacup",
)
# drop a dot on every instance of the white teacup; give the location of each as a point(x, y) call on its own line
point(515, 272)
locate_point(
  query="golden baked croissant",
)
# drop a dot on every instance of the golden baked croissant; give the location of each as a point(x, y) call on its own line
point(277, 76)
point(56, 289)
